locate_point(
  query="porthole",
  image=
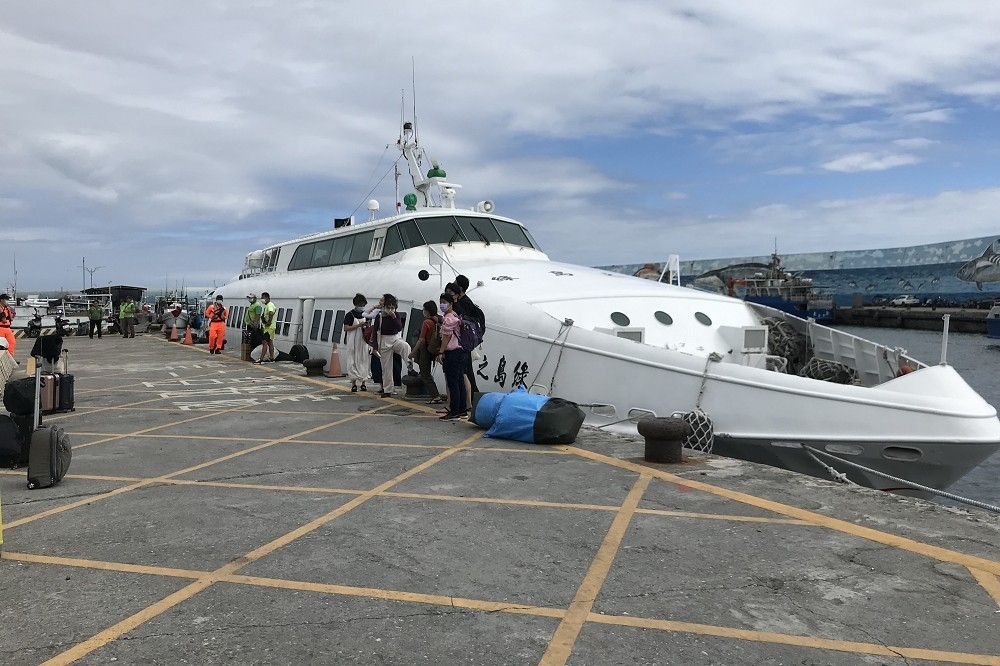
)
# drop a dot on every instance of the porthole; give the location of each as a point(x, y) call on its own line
point(663, 318)
point(620, 318)
point(703, 318)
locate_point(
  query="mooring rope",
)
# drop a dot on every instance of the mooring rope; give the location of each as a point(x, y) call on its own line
point(911, 484)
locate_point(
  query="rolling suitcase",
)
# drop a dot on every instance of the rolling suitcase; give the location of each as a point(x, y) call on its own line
point(47, 392)
point(49, 453)
point(67, 399)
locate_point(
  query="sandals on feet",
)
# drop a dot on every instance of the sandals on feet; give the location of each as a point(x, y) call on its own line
point(435, 401)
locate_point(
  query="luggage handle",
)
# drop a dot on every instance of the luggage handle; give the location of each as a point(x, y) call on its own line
point(36, 420)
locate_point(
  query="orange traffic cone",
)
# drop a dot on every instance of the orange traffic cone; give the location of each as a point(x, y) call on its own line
point(187, 337)
point(334, 367)
point(173, 333)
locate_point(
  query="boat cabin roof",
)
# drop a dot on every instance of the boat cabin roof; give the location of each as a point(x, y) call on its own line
point(372, 241)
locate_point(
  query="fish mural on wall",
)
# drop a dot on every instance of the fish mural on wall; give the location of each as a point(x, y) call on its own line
point(984, 268)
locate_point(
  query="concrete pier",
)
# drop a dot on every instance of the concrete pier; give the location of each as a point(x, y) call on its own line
point(220, 512)
point(919, 318)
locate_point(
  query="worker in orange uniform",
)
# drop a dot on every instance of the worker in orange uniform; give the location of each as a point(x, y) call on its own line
point(217, 315)
point(6, 319)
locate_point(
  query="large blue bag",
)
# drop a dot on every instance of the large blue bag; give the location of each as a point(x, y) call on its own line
point(525, 417)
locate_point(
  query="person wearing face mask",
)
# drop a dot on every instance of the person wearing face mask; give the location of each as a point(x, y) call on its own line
point(389, 325)
point(453, 358)
point(358, 360)
point(269, 327)
point(427, 348)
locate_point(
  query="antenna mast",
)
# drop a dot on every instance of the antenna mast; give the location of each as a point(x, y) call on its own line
point(413, 83)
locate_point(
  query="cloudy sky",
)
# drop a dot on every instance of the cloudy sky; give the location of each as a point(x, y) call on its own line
point(162, 141)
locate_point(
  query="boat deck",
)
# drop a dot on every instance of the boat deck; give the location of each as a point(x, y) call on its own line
point(221, 512)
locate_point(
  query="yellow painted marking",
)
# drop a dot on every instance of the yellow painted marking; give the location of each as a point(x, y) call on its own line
point(152, 436)
point(146, 482)
point(989, 582)
point(799, 641)
point(835, 524)
point(73, 505)
point(128, 624)
point(105, 566)
point(569, 628)
point(255, 486)
point(387, 444)
point(719, 516)
point(397, 595)
point(96, 410)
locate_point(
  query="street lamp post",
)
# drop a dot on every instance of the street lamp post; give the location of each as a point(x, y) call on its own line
point(92, 271)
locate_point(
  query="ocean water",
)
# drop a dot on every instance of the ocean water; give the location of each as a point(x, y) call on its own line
point(977, 359)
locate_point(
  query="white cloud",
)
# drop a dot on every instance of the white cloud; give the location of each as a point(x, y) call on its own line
point(135, 122)
point(675, 196)
point(869, 162)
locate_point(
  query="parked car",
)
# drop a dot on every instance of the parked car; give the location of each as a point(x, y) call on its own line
point(905, 299)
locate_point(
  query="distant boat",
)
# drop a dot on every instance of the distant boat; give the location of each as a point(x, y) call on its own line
point(770, 285)
point(993, 322)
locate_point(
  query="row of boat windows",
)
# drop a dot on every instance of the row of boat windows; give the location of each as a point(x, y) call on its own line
point(622, 319)
point(282, 318)
point(328, 325)
point(404, 235)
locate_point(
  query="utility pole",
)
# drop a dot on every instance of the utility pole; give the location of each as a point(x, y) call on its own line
point(84, 273)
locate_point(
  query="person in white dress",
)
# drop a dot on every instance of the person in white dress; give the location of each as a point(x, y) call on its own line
point(359, 368)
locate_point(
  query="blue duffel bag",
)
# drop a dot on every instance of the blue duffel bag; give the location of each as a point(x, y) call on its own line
point(525, 417)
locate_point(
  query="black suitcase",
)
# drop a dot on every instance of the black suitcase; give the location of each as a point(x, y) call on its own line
point(49, 452)
point(66, 401)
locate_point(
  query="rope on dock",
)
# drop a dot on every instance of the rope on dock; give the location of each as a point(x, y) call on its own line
point(911, 484)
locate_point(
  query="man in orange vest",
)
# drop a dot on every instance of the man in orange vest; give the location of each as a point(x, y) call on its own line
point(6, 319)
point(216, 314)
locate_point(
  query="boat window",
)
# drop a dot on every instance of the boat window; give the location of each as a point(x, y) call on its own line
point(478, 229)
point(342, 250)
point(703, 318)
point(362, 247)
point(324, 334)
point(271, 259)
point(280, 316)
point(513, 233)
point(302, 257)
point(620, 318)
point(393, 243)
point(442, 230)
point(321, 253)
point(409, 233)
point(663, 318)
point(314, 331)
point(288, 321)
point(338, 326)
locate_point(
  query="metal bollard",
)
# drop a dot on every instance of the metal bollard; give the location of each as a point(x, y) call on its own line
point(664, 438)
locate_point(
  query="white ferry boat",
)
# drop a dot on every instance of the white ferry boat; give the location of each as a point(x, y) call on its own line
point(624, 347)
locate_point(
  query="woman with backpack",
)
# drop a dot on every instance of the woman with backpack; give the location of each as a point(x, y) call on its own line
point(427, 348)
point(453, 358)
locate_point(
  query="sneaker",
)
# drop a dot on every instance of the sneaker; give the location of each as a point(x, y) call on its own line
point(363, 387)
point(450, 417)
point(383, 394)
point(354, 389)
